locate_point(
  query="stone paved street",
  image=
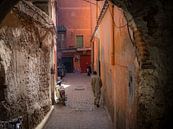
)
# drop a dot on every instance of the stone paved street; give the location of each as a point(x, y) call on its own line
point(79, 112)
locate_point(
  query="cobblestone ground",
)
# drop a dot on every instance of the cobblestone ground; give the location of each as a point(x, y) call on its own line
point(79, 112)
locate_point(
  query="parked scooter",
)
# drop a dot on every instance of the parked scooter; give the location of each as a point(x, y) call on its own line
point(12, 124)
point(60, 93)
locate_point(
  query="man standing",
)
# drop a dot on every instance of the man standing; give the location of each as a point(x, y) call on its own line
point(88, 70)
point(96, 87)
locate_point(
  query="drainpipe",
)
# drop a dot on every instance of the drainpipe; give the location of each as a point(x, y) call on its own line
point(92, 55)
point(96, 10)
point(113, 39)
point(52, 73)
point(142, 52)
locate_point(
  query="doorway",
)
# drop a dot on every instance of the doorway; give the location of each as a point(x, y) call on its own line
point(68, 63)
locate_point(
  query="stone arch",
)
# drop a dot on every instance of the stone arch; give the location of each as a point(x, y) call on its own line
point(142, 50)
point(147, 78)
point(152, 40)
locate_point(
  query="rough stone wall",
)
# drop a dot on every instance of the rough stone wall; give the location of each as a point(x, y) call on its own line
point(154, 21)
point(155, 85)
point(25, 59)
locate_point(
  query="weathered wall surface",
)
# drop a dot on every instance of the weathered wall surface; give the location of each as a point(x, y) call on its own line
point(154, 19)
point(142, 74)
point(119, 79)
point(25, 64)
point(107, 74)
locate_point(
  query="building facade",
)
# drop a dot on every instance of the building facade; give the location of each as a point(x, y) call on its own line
point(74, 31)
point(115, 60)
point(131, 65)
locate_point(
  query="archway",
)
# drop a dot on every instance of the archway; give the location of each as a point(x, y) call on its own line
point(150, 23)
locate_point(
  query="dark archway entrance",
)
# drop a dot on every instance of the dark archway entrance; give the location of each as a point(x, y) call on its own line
point(2, 92)
point(68, 62)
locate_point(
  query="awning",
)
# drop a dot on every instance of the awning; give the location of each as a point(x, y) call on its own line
point(83, 49)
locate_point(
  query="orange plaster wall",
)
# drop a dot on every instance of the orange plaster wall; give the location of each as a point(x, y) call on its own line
point(76, 17)
point(116, 77)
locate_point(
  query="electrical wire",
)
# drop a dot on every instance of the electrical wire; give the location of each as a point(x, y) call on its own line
point(115, 23)
point(102, 13)
point(125, 25)
point(128, 29)
point(89, 2)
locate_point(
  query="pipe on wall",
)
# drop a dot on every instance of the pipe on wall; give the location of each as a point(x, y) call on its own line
point(113, 38)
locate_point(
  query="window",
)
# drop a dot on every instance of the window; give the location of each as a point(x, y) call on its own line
point(61, 38)
point(79, 41)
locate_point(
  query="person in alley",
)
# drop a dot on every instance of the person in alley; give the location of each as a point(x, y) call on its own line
point(96, 84)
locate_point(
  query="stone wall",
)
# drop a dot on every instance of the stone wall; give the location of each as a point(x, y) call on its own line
point(25, 66)
point(153, 20)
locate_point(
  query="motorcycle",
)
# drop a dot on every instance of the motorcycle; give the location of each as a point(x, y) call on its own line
point(60, 93)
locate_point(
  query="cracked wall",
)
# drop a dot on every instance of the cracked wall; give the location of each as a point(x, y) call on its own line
point(154, 19)
point(25, 64)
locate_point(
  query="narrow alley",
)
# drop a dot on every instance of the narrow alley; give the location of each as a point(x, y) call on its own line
point(125, 45)
point(79, 112)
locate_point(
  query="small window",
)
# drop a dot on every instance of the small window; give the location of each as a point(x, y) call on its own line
point(61, 38)
point(79, 41)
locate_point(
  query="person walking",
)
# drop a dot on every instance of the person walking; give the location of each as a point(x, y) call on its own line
point(96, 84)
point(88, 70)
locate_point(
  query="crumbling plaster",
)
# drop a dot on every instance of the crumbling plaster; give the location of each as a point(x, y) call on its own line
point(25, 47)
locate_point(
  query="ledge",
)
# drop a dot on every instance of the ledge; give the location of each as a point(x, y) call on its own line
point(30, 11)
point(44, 121)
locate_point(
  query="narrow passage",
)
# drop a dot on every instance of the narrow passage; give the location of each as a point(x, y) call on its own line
point(79, 112)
